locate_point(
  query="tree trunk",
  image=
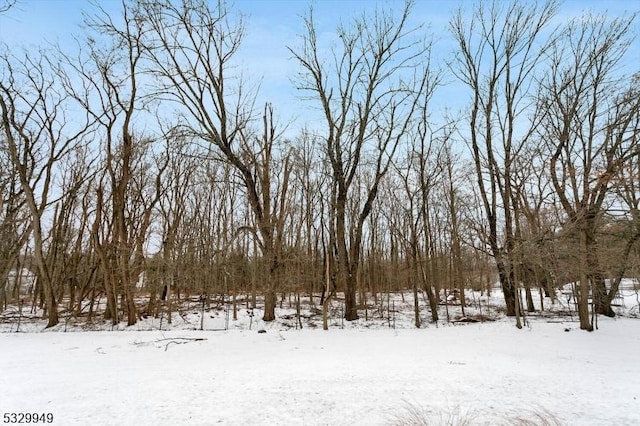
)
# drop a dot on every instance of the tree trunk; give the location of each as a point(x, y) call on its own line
point(350, 302)
point(508, 289)
point(325, 310)
point(270, 296)
point(111, 310)
point(583, 288)
point(527, 291)
point(270, 301)
point(601, 297)
point(416, 305)
point(346, 266)
point(615, 284)
point(428, 288)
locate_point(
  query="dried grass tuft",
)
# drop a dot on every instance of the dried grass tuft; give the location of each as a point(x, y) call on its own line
point(537, 417)
point(415, 415)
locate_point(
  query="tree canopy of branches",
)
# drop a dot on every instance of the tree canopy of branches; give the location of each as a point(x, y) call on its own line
point(138, 170)
point(368, 88)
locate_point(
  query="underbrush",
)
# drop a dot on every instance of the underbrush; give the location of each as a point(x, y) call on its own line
point(223, 312)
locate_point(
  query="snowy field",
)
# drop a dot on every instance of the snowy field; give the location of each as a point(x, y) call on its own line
point(490, 373)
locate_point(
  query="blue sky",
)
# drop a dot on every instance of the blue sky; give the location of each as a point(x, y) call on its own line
point(271, 26)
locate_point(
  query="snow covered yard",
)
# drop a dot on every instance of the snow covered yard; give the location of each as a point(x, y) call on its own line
point(335, 377)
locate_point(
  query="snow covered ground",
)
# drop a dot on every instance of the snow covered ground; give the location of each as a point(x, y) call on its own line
point(364, 374)
point(337, 377)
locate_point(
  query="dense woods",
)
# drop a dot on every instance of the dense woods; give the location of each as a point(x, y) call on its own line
point(139, 169)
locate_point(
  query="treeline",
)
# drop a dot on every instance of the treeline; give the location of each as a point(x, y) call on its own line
point(139, 167)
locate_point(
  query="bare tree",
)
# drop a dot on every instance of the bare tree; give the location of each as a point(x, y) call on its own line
point(626, 185)
point(272, 208)
point(311, 186)
point(191, 48)
point(39, 134)
point(108, 88)
point(368, 89)
point(590, 121)
point(172, 206)
point(499, 52)
point(14, 220)
point(451, 189)
point(65, 251)
point(535, 233)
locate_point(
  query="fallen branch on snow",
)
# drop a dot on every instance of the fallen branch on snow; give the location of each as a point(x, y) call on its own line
point(174, 340)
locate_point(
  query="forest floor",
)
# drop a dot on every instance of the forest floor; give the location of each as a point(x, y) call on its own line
point(379, 370)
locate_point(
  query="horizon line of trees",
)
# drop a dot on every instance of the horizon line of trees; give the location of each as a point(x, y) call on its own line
point(143, 153)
